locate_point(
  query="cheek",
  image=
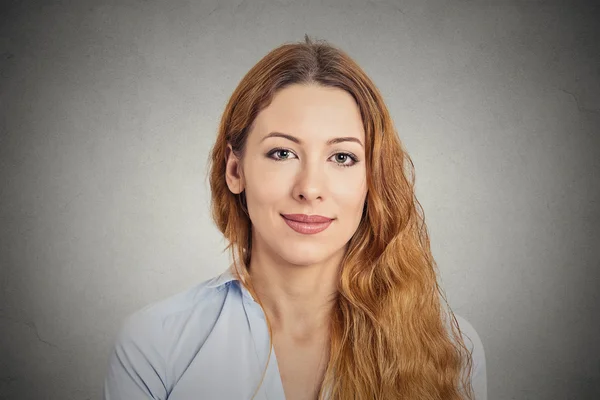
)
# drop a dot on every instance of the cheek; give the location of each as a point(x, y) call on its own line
point(265, 184)
point(350, 190)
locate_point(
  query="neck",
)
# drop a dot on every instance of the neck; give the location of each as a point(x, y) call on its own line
point(298, 299)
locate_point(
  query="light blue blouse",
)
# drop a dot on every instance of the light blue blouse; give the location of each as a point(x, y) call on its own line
point(212, 342)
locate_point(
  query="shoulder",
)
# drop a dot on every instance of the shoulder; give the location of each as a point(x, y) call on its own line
point(144, 363)
point(152, 323)
point(474, 344)
point(471, 338)
point(146, 359)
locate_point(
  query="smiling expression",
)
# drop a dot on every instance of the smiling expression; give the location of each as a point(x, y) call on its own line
point(304, 157)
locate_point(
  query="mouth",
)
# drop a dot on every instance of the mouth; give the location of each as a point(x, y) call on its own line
point(307, 224)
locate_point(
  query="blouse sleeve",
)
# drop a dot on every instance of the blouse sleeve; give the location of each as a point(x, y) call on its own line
point(136, 367)
point(475, 346)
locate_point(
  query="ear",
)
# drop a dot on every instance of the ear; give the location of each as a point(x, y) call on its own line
point(233, 171)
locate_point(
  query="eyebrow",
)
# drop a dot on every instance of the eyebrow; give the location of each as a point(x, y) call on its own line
point(296, 140)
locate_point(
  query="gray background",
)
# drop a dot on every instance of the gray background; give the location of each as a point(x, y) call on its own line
point(109, 109)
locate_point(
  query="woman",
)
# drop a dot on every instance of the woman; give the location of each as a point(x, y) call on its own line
point(333, 290)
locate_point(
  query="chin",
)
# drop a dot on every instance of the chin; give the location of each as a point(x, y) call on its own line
point(301, 259)
point(305, 254)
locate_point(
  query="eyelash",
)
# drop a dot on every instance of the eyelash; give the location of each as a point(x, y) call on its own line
point(352, 156)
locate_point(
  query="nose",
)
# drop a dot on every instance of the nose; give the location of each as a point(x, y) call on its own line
point(310, 183)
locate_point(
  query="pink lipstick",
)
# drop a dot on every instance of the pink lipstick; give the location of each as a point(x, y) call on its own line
point(307, 224)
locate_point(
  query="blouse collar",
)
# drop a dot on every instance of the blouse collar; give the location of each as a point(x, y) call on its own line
point(229, 275)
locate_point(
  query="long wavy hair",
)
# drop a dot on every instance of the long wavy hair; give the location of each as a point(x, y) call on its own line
point(389, 336)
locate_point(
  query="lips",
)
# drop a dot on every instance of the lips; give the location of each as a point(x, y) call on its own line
point(306, 218)
point(307, 224)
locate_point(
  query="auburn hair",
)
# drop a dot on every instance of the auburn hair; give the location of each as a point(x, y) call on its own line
point(389, 333)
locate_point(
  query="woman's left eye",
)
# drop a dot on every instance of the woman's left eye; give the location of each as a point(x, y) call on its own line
point(342, 158)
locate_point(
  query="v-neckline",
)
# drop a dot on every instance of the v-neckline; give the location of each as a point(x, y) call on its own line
point(277, 373)
point(272, 386)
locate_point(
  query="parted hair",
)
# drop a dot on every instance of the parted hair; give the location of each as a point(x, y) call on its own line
point(392, 334)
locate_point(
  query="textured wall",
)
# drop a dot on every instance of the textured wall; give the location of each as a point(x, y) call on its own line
point(108, 111)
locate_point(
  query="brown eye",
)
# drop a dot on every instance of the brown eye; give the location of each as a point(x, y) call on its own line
point(341, 157)
point(282, 153)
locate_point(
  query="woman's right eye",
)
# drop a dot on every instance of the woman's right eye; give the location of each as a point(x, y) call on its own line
point(279, 154)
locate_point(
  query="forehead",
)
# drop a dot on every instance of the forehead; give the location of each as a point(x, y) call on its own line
point(311, 112)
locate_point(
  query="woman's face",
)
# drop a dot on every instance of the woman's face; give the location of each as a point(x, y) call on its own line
point(305, 155)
